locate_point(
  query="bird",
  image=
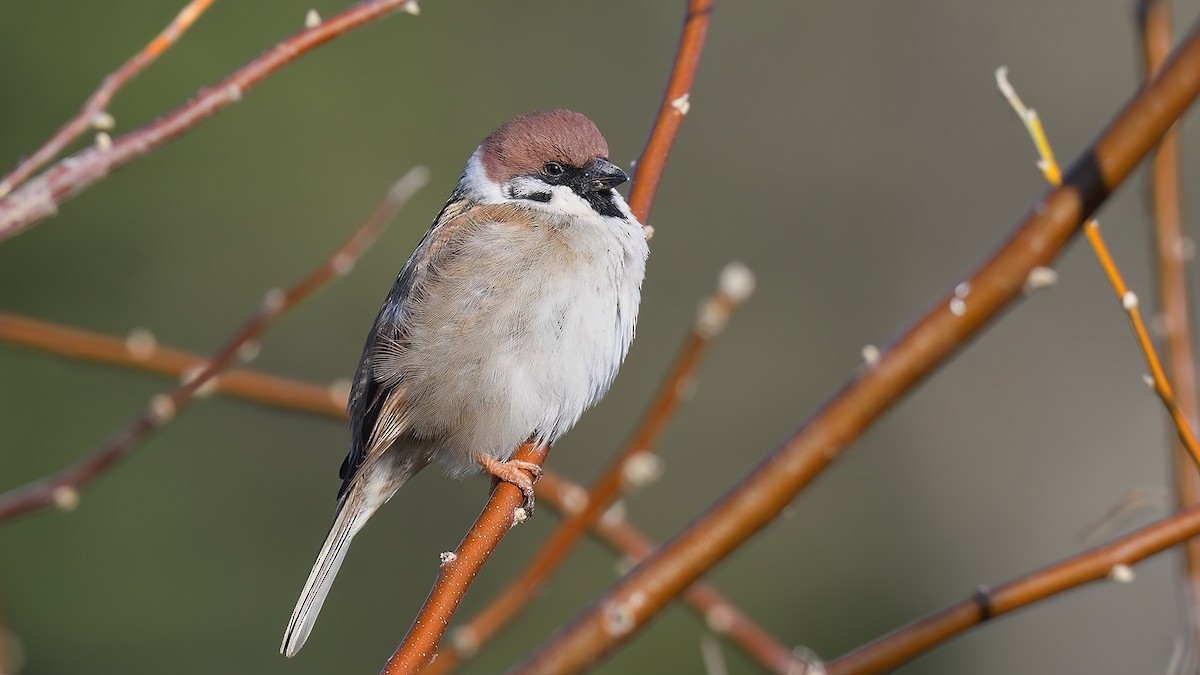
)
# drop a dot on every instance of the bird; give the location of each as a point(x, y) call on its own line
point(509, 319)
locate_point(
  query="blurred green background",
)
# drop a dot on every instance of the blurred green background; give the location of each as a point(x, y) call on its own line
point(855, 155)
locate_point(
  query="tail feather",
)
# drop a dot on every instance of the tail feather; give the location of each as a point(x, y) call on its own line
point(350, 519)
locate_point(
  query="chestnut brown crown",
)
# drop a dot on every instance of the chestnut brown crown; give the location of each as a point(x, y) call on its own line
point(524, 144)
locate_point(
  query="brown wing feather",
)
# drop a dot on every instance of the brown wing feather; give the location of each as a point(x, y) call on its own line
point(377, 405)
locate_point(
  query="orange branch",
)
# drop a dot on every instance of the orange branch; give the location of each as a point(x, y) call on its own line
point(674, 107)
point(624, 609)
point(718, 614)
point(62, 488)
point(93, 114)
point(39, 198)
point(420, 644)
point(1113, 560)
point(1129, 300)
point(145, 354)
point(1172, 254)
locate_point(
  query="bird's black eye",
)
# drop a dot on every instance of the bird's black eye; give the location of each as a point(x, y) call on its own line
point(552, 169)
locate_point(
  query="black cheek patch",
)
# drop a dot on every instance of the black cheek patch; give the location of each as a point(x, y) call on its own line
point(603, 202)
point(543, 197)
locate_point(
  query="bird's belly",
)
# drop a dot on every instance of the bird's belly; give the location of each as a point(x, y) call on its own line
point(522, 358)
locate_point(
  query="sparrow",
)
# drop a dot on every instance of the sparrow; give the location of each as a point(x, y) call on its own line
point(509, 320)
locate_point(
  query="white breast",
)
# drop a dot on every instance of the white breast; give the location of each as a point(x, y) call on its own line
point(522, 334)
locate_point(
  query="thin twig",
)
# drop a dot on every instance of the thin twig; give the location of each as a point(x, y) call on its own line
point(93, 114)
point(141, 351)
point(62, 488)
point(419, 646)
point(675, 105)
point(1114, 560)
point(735, 285)
point(561, 494)
point(1173, 251)
point(624, 609)
point(1128, 299)
point(40, 197)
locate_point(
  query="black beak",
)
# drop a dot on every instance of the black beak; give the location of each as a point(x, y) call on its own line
point(601, 174)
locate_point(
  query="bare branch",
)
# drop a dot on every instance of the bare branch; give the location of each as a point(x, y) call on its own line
point(1113, 560)
point(717, 612)
point(40, 197)
point(1173, 251)
point(93, 114)
point(758, 498)
point(130, 353)
point(1128, 299)
point(62, 488)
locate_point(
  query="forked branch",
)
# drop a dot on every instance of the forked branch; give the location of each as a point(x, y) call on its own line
point(93, 114)
point(39, 197)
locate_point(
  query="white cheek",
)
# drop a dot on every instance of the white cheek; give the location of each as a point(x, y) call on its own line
point(563, 200)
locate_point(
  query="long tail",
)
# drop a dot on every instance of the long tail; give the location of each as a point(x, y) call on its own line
point(351, 516)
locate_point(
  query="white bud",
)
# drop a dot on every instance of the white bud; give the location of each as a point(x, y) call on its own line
point(736, 282)
point(274, 300)
point(642, 469)
point(520, 515)
point(312, 19)
point(162, 409)
point(1040, 277)
point(1129, 301)
point(140, 343)
point(66, 498)
point(682, 104)
point(249, 351)
point(1121, 573)
point(574, 499)
point(103, 121)
point(958, 307)
point(871, 355)
point(465, 642)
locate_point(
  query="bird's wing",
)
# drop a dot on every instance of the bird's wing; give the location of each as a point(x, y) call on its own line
point(378, 398)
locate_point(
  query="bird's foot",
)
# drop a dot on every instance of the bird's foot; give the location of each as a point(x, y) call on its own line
point(519, 473)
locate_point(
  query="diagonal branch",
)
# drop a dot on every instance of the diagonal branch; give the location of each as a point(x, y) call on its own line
point(419, 646)
point(93, 113)
point(62, 488)
point(1056, 218)
point(1110, 561)
point(718, 614)
point(39, 198)
point(1128, 299)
